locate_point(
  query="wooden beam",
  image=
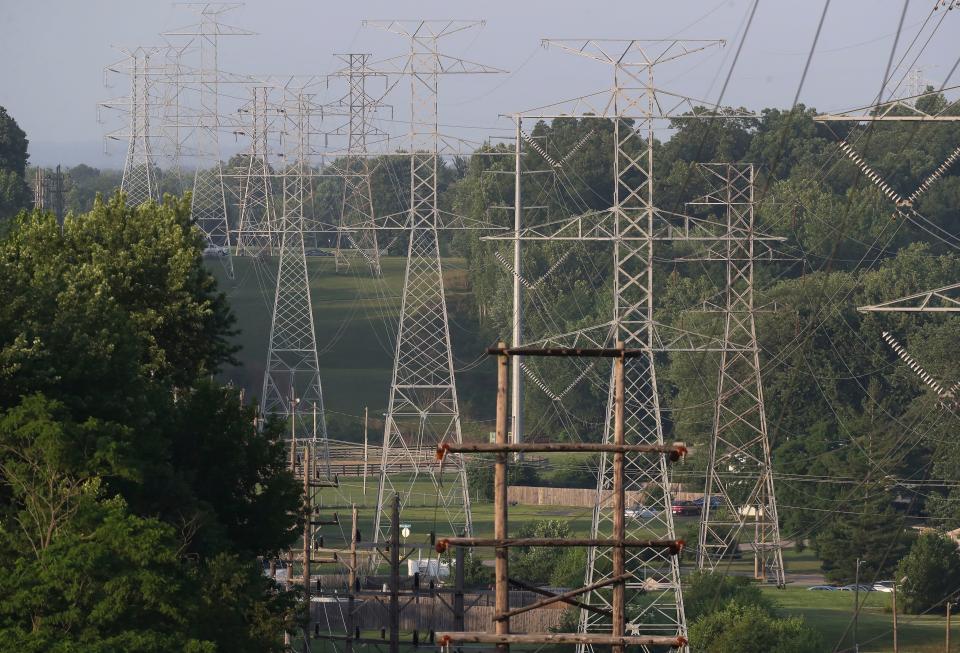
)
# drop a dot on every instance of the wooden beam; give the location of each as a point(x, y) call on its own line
point(596, 639)
point(564, 598)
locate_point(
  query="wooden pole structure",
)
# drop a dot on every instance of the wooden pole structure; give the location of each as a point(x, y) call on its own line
point(618, 625)
point(458, 620)
point(395, 576)
point(946, 646)
point(308, 523)
point(501, 581)
point(365, 415)
point(896, 649)
point(352, 579)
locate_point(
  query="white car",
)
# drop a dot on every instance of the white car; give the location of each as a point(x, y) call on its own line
point(215, 250)
point(883, 586)
point(641, 512)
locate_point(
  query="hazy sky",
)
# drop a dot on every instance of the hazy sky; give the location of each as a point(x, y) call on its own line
point(54, 52)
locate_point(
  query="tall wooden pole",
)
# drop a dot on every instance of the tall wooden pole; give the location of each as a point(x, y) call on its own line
point(896, 648)
point(352, 579)
point(308, 522)
point(395, 576)
point(619, 504)
point(946, 647)
point(458, 621)
point(501, 586)
point(516, 379)
point(365, 454)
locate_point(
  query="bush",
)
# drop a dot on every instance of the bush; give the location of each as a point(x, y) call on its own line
point(752, 629)
point(708, 592)
point(932, 572)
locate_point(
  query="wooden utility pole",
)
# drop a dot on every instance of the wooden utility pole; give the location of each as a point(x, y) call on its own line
point(460, 574)
point(395, 576)
point(365, 415)
point(896, 648)
point(946, 646)
point(619, 506)
point(501, 587)
point(501, 541)
point(307, 525)
point(352, 580)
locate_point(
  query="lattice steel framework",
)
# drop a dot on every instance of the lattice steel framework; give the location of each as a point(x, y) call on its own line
point(739, 474)
point(633, 105)
point(257, 224)
point(209, 202)
point(355, 235)
point(423, 409)
point(291, 381)
point(142, 67)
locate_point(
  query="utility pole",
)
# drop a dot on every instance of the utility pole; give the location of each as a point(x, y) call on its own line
point(619, 542)
point(946, 646)
point(856, 607)
point(365, 419)
point(896, 648)
point(516, 397)
point(423, 393)
point(395, 575)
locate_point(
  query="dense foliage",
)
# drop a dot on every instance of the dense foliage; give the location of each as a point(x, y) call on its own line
point(135, 493)
point(929, 576)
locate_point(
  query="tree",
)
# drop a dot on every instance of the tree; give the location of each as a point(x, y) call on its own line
point(536, 564)
point(706, 592)
point(14, 192)
point(876, 537)
point(752, 629)
point(931, 573)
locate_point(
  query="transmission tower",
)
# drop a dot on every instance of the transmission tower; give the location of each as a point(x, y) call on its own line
point(142, 68)
point(356, 208)
point(209, 202)
point(291, 381)
point(633, 106)
point(739, 475)
point(423, 408)
point(255, 231)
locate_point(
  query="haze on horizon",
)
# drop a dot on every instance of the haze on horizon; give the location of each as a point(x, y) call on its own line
point(54, 88)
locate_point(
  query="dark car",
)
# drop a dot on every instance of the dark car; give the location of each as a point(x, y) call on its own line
point(685, 508)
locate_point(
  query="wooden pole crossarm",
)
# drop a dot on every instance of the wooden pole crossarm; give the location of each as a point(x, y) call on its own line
point(543, 592)
point(564, 352)
point(596, 639)
point(675, 546)
point(555, 598)
point(675, 451)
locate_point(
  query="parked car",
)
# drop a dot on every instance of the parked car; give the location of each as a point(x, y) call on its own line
point(641, 512)
point(853, 588)
point(883, 586)
point(714, 501)
point(822, 588)
point(685, 508)
point(215, 250)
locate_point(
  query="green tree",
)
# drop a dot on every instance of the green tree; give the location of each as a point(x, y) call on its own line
point(537, 564)
point(706, 592)
point(876, 537)
point(930, 573)
point(14, 192)
point(752, 629)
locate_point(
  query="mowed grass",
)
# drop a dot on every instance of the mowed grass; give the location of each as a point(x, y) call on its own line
point(355, 318)
point(831, 613)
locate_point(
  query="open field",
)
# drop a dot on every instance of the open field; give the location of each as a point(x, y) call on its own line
point(355, 318)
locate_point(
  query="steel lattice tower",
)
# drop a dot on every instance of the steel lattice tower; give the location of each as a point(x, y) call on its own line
point(739, 471)
point(139, 180)
point(209, 202)
point(632, 224)
point(291, 381)
point(423, 409)
point(356, 208)
point(255, 231)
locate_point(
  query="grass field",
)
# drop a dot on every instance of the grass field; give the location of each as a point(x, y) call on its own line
point(355, 317)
